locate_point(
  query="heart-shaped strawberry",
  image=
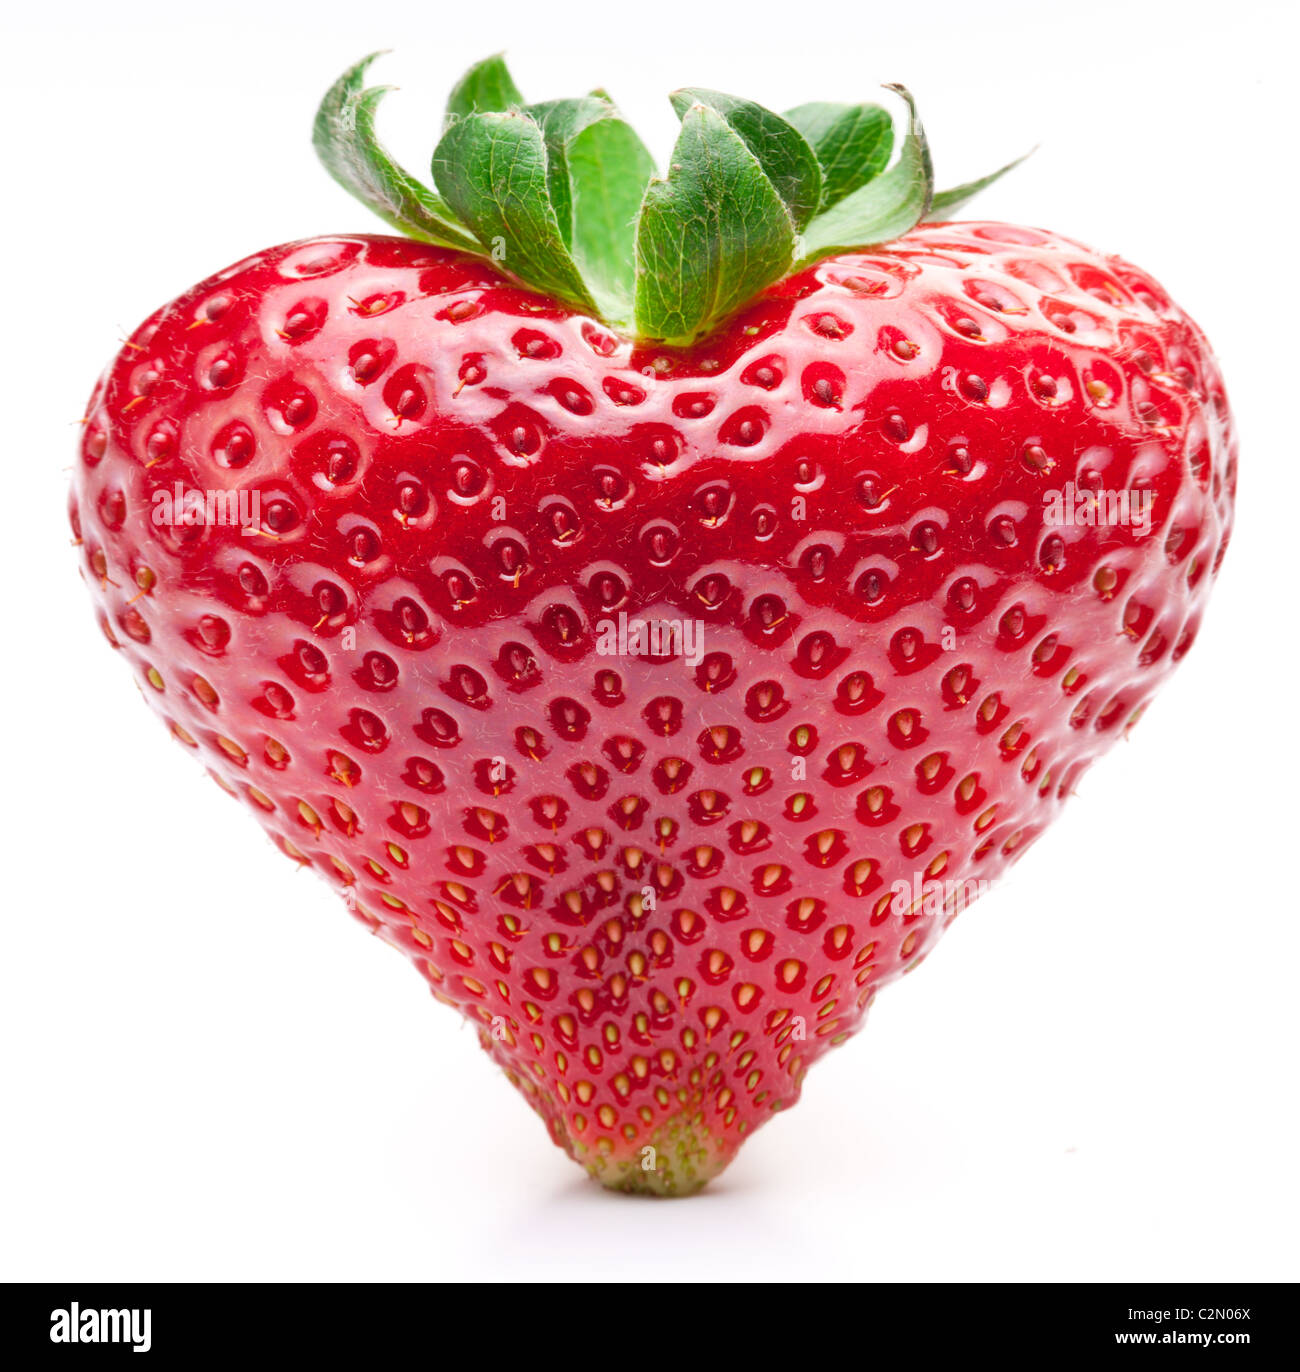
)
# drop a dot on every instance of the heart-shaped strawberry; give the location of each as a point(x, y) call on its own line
point(661, 652)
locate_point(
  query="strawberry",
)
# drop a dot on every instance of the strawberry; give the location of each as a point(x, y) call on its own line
point(658, 606)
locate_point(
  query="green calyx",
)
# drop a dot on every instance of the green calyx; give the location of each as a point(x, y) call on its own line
point(563, 195)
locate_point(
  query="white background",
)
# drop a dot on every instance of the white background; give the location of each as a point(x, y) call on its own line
point(206, 1071)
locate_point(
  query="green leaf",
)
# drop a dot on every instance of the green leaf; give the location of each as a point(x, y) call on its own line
point(492, 170)
point(597, 172)
point(561, 121)
point(486, 87)
point(563, 194)
point(781, 150)
point(345, 141)
point(945, 202)
point(609, 170)
point(886, 207)
point(710, 235)
point(852, 143)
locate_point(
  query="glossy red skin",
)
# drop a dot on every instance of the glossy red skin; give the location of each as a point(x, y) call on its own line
point(682, 1022)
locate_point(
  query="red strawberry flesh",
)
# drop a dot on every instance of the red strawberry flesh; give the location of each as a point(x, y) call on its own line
point(660, 887)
